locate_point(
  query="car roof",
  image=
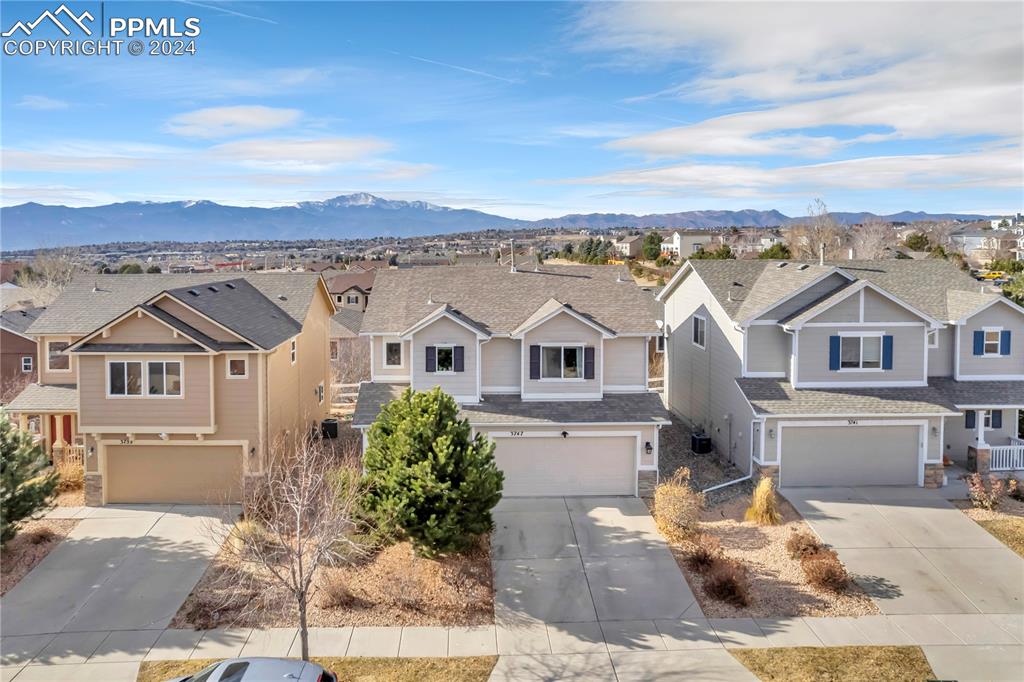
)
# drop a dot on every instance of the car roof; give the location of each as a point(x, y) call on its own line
point(267, 668)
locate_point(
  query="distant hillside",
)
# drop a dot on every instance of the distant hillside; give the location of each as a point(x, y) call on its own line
point(30, 226)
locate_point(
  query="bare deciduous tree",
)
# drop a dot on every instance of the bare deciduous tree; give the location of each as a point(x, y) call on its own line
point(872, 238)
point(819, 228)
point(47, 275)
point(353, 361)
point(301, 514)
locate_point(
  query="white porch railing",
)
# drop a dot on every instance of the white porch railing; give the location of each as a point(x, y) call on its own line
point(1007, 457)
point(69, 453)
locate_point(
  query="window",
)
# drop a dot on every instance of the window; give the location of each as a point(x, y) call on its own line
point(352, 299)
point(991, 346)
point(320, 393)
point(659, 344)
point(334, 350)
point(933, 338)
point(445, 359)
point(393, 354)
point(238, 368)
point(700, 330)
point(164, 378)
point(562, 362)
point(26, 364)
point(56, 360)
point(234, 672)
point(338, 298)
point(294, 350)
point(993, 420)
point(124, 378)
point(860, 352)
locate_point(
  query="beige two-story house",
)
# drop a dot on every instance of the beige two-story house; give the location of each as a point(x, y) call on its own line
point(549, 362)
point(852, 373)
point(172, 388)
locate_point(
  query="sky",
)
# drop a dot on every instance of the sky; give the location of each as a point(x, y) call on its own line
point(530, 109)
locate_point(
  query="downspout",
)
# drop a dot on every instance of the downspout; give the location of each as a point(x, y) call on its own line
point(734, 481)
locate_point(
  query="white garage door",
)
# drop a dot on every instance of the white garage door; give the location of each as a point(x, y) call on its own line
point(850, 455)
point(576, 465)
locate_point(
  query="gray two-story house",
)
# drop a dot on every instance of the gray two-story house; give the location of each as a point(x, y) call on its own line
point(852, 373)
point(549, 362)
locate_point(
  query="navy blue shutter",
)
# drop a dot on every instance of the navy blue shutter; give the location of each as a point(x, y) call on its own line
point(971, 419)
point(979, 343)
point(997, 419)
point(833, 353)
point(431, 358)
point(534, 362)
point(887, 352)
point(1004, 342)
point(588, 362)
point(460, 358)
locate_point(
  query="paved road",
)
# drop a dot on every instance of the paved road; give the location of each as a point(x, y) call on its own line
point(913, 551)
point(120, 568)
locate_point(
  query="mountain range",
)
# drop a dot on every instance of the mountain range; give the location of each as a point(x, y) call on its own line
point(350, 216)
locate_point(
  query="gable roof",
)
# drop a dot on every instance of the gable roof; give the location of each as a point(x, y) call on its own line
point(340, 283)
point(498, 301)
point(346, 323)
point(91, 301)
point(554, 307)
point(240, 307)
point(452, 314)
point(811, 311)
point(18, 321)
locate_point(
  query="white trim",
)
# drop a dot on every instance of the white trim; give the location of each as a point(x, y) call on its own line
point(864, 324)
point(320, 393)
point(479, 367)
point(581, 367)
point(833, 270)
point(693, 330)
point(31, 364)
point(999, 299)
point(880, 335)
point(164, 294)
point(521, 331)
point(991, 377)
point(541, 397)
point(293, 350)
point(990, 407)
point(46, 354)
point(499, 390)
point(624, 388)
point(144, 362)
point(859, 287)
point(932, 333)
point(227, 366)
point(860, 384)
point(956, 351)
point(447, 372)
point(139, 311)
point(434, 317)
point(984, 342)
point(403, 379)
point(765, 375)
point(384, 341)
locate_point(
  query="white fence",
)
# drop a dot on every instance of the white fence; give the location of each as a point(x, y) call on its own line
point(1008, 457)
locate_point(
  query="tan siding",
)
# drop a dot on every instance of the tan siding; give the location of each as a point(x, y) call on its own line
point(191, 410)
point(501, 360)
point(135, 329)
point(998, 315)
point(563, 329)
point(444, 331)
point(236, 401)
point(624, 362)
point(908, 356)
point(768, 349)
point(379, 370)
point(55, 377)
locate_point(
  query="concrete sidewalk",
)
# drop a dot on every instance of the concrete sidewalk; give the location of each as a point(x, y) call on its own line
point(984, 646)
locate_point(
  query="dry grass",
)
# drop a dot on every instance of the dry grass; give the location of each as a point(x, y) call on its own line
point(764, 505)
point(469, 669)
point(1006, 524)
point(832, 664)
point(30, 546)
point(393, 587)
point(71, 476)
point(777, 584)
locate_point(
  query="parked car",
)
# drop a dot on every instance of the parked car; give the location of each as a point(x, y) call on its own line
point(260, 670)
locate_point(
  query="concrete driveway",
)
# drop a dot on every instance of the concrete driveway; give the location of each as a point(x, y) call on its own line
point(580, 560)
point(121, 568)
point(913, 551)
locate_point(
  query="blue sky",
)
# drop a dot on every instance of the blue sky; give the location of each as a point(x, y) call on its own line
point(533, 109)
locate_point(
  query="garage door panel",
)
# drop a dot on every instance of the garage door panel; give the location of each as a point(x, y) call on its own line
point(850, 455)
point(206, 474)
point(577, 465)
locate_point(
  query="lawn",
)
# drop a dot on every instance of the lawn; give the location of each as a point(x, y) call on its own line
point(846, 663)
point(470, 669)
point(1006, 524)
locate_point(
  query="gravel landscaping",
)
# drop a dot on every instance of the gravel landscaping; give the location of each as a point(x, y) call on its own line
point(778, 586)
point(30, 546)
point(705, 470)
point(1006, 524)
point(394, 587)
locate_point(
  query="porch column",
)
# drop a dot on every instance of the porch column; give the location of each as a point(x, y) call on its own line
point(58, 439)
point(23, 422)
point(980, 425)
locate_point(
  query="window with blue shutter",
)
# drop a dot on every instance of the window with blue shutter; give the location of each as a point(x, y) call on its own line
point(534, 363)
point(431, 359)
point(887, 352)
point(979, 343)
point(1004, 342)
point(460, 359)
point(997, 419)
point(833, 353)
point(588, 362)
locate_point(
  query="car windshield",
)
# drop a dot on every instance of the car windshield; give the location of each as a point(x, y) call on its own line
point(204, 674)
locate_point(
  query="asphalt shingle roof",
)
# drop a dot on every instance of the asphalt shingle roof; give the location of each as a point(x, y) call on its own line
point(499, 300)
point(91, 301)
point(645, 408)
point(774, 397)
point(18, 321)
point(346, 323)
point(980, 393)
point(45, 398)
point(340, 283)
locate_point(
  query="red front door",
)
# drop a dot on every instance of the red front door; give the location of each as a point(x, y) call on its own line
point(53, 429)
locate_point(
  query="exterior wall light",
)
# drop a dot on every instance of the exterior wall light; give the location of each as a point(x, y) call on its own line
point(565, 434)
point(771, 433)
point(648, 448)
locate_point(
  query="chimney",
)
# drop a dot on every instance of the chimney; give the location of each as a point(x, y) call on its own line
point(512, 255)
point(821, 253)
point(851, 254)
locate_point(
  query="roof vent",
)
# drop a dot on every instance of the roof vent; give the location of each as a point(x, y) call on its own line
point(213, 289)
point(229, 285)
point(782, 264)
point(193, 292)
point(282, 297)
point(803, 266)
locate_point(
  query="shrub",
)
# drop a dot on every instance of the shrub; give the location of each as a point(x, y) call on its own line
point(801, 544)
point(428, 478)
point(763, 508)
point(41, 535)
point(334, 591)
point(1014, 489)
point(726, 580)
point(703, 552)
point(677, 507)
point(250, 536)
point(824, 570)
point(985, 497)
point(24, 489)
point(70, 475)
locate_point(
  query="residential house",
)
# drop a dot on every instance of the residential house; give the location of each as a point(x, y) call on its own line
point(550, 362)
point(683, 244)
point(981, 245)
point(327, 268)
point(853, 373)
point(345, 325)
point(17, 350)
point(351, 290)
point(630, 246)
point(172, 387)
point(366, 265)
point(9, 270)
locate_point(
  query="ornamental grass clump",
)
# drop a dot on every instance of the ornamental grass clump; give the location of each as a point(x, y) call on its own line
point(677, 507)
point(764, 508)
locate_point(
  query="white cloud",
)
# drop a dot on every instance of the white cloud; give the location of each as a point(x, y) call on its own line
point(61, 195)
point(23, 160)
point(300, 155)
point(397, 171)
point(216, 122)
point(41, 103)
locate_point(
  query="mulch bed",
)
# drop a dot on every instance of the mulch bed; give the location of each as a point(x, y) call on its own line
point(778, 587)
point(394, 587)
point(30, 546)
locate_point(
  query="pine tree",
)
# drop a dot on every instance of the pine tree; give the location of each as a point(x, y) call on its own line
point(429, 479)
point(24, 490)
